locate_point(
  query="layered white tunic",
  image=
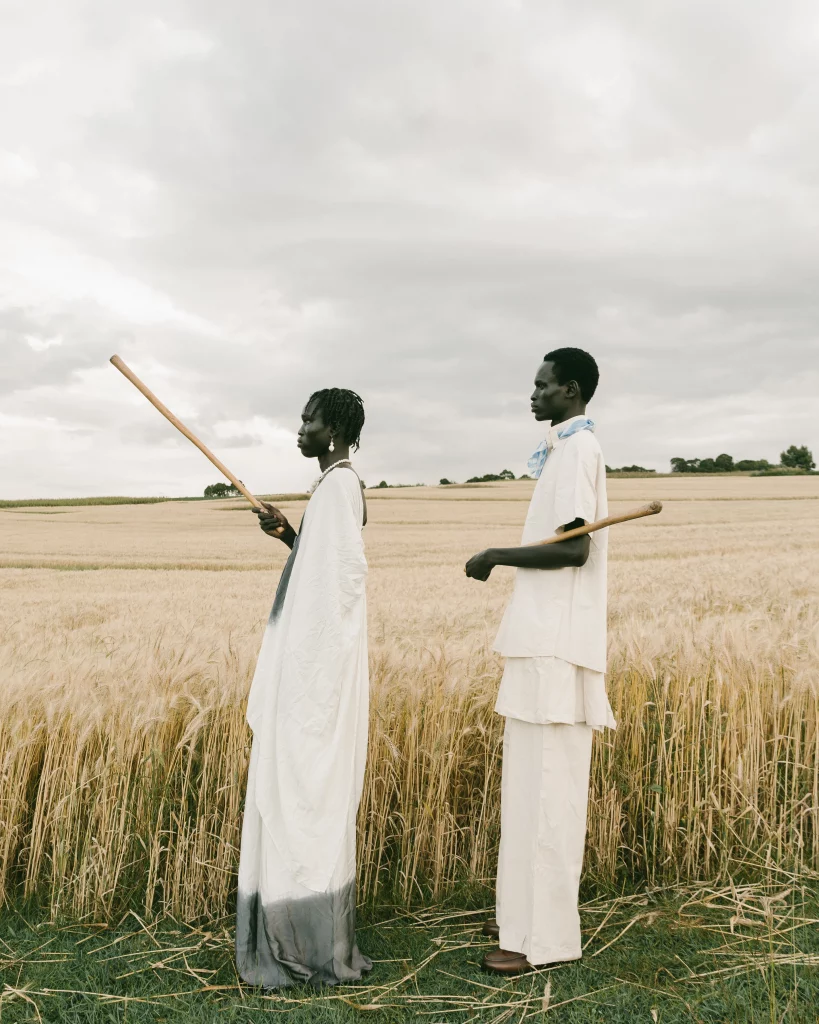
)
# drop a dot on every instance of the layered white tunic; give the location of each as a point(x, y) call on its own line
point(553, 633)
point(308, 709)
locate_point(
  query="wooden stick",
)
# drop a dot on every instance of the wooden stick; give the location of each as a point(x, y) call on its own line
point(180, 426)
point(636, 513)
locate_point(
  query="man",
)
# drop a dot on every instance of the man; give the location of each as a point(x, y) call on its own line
point(552, 692)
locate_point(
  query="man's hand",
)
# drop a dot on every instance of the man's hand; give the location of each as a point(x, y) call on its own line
point(274, 523)
point(480, 566)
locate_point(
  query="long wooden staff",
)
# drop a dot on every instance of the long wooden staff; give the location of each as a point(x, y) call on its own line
point(636, 513)
point(180, 426)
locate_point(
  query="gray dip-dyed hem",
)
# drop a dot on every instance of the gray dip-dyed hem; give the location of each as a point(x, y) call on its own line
point(308, 941)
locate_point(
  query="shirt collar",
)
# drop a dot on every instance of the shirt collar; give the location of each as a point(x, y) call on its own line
point(555, 428)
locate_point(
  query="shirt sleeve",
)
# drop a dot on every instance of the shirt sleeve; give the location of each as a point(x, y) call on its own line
point(576, 490)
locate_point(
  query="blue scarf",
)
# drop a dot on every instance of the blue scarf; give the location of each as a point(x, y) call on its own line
point(538, 459)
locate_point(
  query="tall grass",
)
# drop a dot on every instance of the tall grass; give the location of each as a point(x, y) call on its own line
point(79, 502)
point(135, 796)
point(123, 746)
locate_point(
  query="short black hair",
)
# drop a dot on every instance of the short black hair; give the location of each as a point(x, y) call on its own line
point(341, 410)
point(575, 364)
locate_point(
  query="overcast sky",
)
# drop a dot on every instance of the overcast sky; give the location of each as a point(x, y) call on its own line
point(252, 200)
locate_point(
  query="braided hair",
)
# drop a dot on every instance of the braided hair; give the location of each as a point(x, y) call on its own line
point(341, 410)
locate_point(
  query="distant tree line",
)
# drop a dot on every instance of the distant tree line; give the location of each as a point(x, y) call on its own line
point(798, 458)
point(794, 458)
point(505, 474)
point(221, 490)
point(721, 464)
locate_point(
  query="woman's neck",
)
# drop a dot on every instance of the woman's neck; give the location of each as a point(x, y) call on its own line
point(341, 454)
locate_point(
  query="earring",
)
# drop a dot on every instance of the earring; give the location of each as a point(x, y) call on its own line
point(332, 444)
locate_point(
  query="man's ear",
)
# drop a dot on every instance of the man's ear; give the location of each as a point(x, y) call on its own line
point(572, 388)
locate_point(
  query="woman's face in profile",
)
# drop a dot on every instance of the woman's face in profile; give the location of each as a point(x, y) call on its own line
point(314, 436)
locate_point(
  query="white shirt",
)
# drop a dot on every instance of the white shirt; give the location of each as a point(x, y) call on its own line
point(562, 612)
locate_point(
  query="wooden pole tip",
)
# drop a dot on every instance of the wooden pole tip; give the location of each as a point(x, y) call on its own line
point(656, 506)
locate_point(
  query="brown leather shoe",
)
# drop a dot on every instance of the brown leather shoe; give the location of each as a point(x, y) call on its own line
point(504, 961)
point(490, 929)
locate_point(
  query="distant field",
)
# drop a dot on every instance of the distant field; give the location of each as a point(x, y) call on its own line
point(122, 739)
point(615, 475)
point(110, 500)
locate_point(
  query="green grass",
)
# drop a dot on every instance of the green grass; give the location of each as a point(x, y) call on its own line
point(111, 500)
point(745, 954)
point(786, 472)
point(123, 500)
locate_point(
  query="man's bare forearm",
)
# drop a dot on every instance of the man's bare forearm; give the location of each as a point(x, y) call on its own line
point(567, 554)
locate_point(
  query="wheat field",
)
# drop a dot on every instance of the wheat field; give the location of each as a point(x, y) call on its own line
point(128, 636)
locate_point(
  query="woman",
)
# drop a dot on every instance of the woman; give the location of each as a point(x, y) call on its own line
point(308, 708)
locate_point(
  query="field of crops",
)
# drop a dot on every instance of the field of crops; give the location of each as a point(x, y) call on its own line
point(128, 635)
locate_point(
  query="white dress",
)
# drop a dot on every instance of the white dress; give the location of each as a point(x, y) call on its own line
point(308, 709)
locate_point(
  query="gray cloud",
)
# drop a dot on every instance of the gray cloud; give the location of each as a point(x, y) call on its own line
point(414, 200)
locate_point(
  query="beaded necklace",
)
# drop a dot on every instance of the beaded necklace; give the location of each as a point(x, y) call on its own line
point(335, 465)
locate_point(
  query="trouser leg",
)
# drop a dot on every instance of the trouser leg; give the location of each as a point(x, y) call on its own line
point(544, 796)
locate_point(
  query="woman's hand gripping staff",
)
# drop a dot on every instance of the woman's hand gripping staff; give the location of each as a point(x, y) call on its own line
point(567, 549)
point(274, 523)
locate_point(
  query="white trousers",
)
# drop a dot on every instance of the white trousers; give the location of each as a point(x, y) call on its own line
point(544, 796)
